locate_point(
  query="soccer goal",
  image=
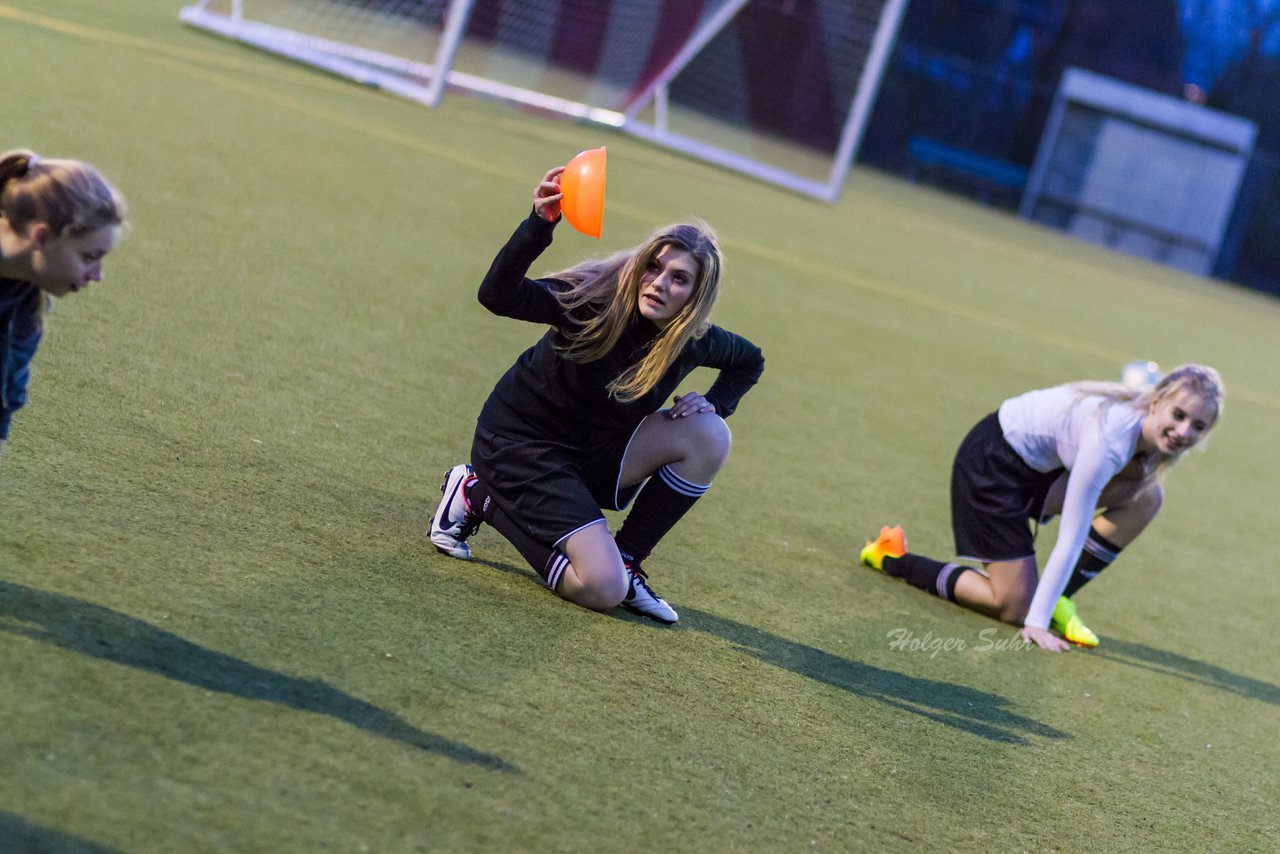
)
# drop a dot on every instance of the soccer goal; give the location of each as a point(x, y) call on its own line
point(777, 89)
point(402, 46)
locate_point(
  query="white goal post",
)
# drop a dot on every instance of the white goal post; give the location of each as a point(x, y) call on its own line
point(777, 89)
point(401, 46)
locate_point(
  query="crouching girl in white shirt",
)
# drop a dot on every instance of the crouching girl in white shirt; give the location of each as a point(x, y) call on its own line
point(1073, 450)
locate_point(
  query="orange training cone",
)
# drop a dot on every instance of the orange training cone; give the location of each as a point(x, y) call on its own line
point(583, 187)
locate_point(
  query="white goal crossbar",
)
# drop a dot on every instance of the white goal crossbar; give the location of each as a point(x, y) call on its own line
point(621, 70)
point(416, 80)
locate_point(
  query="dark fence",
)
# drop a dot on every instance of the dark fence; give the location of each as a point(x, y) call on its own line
point(973, 128)
point(963, 101)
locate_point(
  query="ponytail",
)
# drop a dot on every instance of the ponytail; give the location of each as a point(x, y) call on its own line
point(67, 195)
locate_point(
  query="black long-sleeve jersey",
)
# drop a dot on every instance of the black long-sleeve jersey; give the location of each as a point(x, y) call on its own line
point(543, 395)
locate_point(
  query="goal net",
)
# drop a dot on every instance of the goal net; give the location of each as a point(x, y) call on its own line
point(401, 46)
point(777, 89)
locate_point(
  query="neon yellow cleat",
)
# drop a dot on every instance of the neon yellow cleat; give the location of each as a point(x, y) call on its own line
point(892, 542)
point(1067, 622)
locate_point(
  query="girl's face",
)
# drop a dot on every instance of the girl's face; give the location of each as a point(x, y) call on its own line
point(1177, 422)
point(68, 263)
point(667, 284)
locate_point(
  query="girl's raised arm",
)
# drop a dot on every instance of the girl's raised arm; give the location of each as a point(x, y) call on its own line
point(547, 195)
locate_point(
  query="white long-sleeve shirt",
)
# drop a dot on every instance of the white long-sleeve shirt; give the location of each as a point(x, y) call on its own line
point(1093, 439)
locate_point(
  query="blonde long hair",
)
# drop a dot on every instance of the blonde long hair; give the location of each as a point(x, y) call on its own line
point(1200, 380)
point(609, 289)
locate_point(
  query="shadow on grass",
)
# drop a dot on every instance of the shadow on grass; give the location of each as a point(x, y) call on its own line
point(18, 834)
point(521, 571)
point(1181, 667)
point(977, 712)
point(112, 636)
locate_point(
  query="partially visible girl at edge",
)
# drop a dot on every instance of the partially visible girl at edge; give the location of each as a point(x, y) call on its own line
point(577, 422)
point(1072, 450)
point(58, 219)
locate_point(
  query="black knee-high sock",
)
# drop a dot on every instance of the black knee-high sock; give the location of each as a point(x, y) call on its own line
point(548, 562)
point(478, 499)
point(1098, 554)
point(930, 575)
point(661, 503)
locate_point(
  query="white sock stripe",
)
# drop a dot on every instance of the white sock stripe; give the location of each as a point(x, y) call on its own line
point(680, 485)
point(1099, 551)
point(555, 569)
point(944, 577)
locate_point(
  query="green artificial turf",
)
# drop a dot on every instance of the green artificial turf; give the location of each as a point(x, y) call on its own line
point(223, 629)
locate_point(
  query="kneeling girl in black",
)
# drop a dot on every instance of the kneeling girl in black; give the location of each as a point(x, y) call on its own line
point(577, 423)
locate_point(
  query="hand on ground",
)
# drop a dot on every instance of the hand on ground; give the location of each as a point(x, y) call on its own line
point(1044, 639)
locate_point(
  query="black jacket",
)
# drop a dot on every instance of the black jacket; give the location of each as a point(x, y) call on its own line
point(544, 395)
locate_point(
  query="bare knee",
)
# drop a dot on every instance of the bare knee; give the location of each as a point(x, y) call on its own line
point(1122, 523)
point(1014, 613)
point(1149, 501)
point(595, 577)
point(599, 592)
point(1011, 587)
point(1137, 499)
point(1012, 605)
point(710, 441)
point(600, 597)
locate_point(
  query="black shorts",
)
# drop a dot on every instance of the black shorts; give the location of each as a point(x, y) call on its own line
point(994, 494)
point(551, 489)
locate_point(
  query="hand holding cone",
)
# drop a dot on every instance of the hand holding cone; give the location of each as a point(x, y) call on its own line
point(582, 184)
